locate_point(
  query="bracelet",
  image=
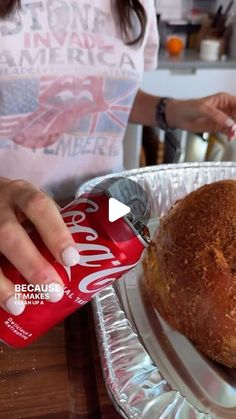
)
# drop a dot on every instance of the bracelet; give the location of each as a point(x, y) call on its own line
point(161, 113)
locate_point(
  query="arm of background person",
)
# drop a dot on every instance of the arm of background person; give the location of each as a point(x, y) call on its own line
point(216, 113)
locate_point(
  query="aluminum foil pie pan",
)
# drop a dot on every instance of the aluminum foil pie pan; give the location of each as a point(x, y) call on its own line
point(152, 371)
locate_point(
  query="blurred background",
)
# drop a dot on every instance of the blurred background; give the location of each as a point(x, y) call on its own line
point(197, 58)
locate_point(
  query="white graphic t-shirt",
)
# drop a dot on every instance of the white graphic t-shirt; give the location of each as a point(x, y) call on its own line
point(67, 84)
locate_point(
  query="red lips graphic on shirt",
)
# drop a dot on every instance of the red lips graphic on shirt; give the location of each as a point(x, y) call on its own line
point(61, 106)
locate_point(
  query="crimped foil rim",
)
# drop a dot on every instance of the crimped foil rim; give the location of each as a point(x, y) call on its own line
point(87, 186)
point(104, 303)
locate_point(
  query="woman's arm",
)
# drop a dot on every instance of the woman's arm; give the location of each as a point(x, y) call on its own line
point(144, 109)
point(216, 113)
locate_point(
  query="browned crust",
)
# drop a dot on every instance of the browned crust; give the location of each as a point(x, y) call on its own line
point(193, 284)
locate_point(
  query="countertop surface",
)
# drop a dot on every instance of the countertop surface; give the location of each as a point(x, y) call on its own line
point(190, 59)
point(57, 377)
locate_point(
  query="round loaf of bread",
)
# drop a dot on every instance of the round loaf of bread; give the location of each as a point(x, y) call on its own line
point(191, 269)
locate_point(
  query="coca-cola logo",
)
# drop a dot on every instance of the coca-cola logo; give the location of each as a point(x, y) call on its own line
point(92, 254)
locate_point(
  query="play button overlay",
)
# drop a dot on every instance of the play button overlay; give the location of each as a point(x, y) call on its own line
point(121, 198)
point(117, 210)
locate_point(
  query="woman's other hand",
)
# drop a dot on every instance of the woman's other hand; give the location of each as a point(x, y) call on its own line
point(216, 113)
point(19, 200)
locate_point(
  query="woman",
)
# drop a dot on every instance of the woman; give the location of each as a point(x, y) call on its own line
point(70, 77)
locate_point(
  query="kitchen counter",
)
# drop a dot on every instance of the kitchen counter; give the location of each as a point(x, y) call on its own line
point(190, 60)
point(57, 377)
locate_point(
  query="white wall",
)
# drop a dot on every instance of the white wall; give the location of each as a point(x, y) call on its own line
point(212, 5)
point(225, 3)
point(208, 5)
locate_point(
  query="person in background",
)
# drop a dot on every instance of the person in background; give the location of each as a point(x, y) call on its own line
point(70, 76)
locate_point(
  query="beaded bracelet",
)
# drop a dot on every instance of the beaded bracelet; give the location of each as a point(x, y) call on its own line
point(161, 113)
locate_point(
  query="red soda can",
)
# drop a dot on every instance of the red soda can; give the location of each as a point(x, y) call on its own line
point(106, 252)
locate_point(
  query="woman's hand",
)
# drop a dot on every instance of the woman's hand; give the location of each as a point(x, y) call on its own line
point(216, 113)
point(19, 200)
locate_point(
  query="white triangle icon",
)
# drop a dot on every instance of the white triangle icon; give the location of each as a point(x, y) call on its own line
point(116, 210)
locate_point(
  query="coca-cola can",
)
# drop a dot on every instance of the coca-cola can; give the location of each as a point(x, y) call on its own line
point(107, 250)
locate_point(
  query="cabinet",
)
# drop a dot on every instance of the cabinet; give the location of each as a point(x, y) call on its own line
point(190, 82)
